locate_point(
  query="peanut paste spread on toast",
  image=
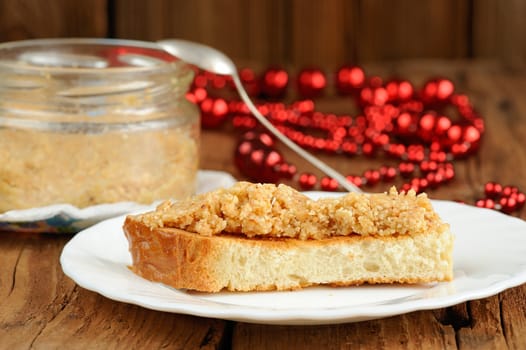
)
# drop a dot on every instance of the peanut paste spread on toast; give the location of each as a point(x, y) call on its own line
point(268, 210)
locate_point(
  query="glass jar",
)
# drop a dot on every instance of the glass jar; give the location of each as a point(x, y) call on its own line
point(90, 121)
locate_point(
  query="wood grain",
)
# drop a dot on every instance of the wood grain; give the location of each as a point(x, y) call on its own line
point(388, 30)
point(321, 32)
point(333, 32)
point(29, 262)
point(26, 19)
point(243, 30)
point(418, 330)
point(92, 321)
point(309, 32)
point(498, 31)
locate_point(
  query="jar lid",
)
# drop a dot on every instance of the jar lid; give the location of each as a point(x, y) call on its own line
point(84, 55)
point(80, 68)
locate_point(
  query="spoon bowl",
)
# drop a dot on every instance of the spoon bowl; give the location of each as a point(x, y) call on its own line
point(214, 61)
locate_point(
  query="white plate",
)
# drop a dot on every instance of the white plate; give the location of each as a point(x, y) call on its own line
point(489, 257)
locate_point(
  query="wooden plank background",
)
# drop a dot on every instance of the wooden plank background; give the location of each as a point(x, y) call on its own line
point(291, 32)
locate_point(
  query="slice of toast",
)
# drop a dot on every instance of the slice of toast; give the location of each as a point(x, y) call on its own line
point(334, 244)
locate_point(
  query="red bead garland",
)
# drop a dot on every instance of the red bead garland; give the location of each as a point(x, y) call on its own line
point(504, 198)
point(396, 120)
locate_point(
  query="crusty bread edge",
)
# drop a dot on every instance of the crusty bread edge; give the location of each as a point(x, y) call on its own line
point(186, 260)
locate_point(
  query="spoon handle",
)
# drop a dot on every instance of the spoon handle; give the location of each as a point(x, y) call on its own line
point(306, 155)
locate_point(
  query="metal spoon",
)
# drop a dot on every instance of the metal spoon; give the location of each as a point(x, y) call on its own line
point(214, 61)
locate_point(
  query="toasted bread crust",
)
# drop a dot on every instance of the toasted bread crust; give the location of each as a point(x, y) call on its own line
point(188, 260)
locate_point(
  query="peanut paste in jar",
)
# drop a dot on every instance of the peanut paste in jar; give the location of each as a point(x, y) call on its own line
point(49, 167)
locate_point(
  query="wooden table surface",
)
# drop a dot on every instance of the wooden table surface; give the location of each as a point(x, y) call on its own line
point(42, 308)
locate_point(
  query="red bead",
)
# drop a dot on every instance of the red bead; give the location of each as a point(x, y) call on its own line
point(287, 170)
point(328, 184)
point(411, 106)
point(332, 146)
point(399, 90)
point(256, 158)
point(396, 150)
point(308, 141)
point(437, 90)
point(349, 79)
point(435, 146)
point(492, 189)
point(415, 153)
point(338, 133)
point(459, 150)
point(434, 179)
point(405, 124)
point(304, 106)
point(460, 100)
point(445, 89)
point(307, 181)
point(238, 107)
point(520, 198)
point(429, 91)
point(508, 205)
point(219, 81)
point(438, 156)
point(485, 203)
point(368, 149)
point(197, 95)
point(372, 177)
point(406, 169)
point(247, 75)
point(419, 184)
point(405, 90)
point(318, 144)
point(381, 140)
point(243, 158)
point(260, 139)
point(266, 163)
point(356, 180)
point(200, 80)
point(388, 173)
point(249, 81)
point(454, 134)
point(274, 83)
point(406, 188)
point(428, 165)
point(442, 125)
point(213, 112)
point(479, 124)
point(427, 122)
point(509, 190)
point(375, 81)
point(272, 159)
point(244, 122)
point(376, 96)
point(472, 136)
point(311, 82)
point(448, 172)
point(349, 148)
